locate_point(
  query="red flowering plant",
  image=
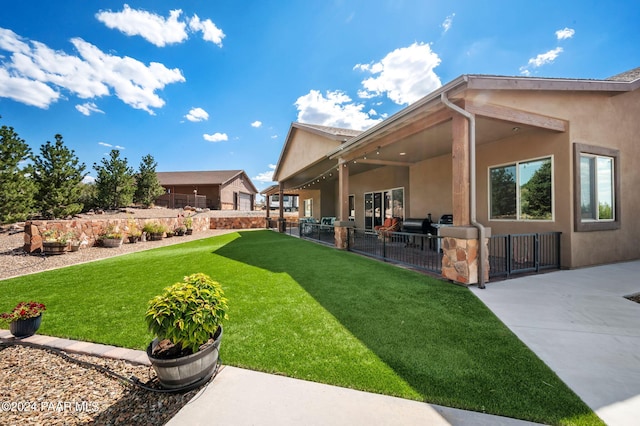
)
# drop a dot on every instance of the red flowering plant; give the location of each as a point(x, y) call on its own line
point(23, 310)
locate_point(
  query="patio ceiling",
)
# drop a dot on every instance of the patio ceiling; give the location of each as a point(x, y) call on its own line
point(420, 133)
point(411, 149)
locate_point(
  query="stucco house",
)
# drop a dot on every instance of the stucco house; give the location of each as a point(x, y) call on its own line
point(216, 190)
point(503, 155)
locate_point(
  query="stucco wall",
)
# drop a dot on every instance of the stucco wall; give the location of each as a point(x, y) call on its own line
point(431, 186)
point(594, 119)
point(304, 148)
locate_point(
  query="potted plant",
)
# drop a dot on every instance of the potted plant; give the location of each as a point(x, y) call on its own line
point(154, 230)
point(188, 224)
point(25, 319)
point(179, 231)
point(55, 241)
point(112, 237)
point(187, 322)
point(133, 232)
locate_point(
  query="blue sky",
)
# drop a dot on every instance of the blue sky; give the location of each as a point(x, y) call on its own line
point(215, 85)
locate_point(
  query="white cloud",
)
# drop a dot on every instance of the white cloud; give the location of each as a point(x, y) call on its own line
point(446, 24)
point(153, 28)
point(565, 33)
point(26, 91)
point(265, 176)
point(216, 137)
point(88, 179)
point(157, 29)
point(540, 60)
point(197, 114)
point(35, 73)
point(256, 124)
point(335, 110)
point(210, 32)
point(274, 136)
point(88, 107)
point(108, 145)
point(404, 75)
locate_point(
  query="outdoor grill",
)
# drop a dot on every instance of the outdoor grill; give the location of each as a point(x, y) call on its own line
point(416, 226)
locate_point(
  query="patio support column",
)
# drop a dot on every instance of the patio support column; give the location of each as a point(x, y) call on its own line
point(342, 224)
point(267, 200)
point(460, 158)
point(282, 225)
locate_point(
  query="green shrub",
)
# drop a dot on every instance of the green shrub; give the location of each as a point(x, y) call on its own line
point(188, 313)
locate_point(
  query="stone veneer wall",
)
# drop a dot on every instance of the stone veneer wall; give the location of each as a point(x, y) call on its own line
point(460, 260)
point(250, 222)
point(90, 229)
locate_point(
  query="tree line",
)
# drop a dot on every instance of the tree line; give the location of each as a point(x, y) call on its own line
point(50, 185)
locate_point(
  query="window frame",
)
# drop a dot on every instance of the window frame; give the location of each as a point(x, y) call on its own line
point(581, 225)
point(518, 217)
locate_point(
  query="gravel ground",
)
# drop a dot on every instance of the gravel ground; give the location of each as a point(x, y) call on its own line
point(38, 387)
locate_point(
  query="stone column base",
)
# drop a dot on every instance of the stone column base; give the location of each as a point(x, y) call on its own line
point(461, 254)
point(341, 232)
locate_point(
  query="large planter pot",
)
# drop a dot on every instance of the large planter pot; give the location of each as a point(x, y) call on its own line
point(25, 327)
point(54, 247)
point(156, 236)
point(187, 371)
point(189, 231)
point(111, 242)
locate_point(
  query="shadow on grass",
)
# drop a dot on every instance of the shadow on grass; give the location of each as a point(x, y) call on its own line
point(434, 335)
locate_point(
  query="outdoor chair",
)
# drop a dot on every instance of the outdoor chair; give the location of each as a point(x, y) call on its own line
point(390, 225)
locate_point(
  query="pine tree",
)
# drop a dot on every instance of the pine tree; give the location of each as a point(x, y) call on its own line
point(148, 187)
point(16, 186)
point(114, 181)
point(57, 175)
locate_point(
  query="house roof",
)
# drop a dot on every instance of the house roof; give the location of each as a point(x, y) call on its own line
point(211, 177)
point(630, 75)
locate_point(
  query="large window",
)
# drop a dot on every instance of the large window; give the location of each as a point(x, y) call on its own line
point(522, 190)
point(596, 188)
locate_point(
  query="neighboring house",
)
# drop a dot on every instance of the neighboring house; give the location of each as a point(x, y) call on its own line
point(504, 155)
point(216, 190)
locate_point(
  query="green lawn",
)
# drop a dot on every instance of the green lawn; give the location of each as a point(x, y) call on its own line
point(312, 312)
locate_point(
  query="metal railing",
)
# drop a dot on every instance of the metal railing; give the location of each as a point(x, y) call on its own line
point(523, 253)
point(290, 226)
point(314, 231)
point(420, 251)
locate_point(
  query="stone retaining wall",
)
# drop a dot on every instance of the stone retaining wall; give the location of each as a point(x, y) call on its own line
point(89, 230)
point(250, 222)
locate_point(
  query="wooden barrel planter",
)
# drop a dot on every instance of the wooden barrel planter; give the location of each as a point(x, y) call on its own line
point(187, 371)
point(111, 242)
point(54, 247)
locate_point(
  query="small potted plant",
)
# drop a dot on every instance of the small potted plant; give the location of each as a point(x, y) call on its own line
point(187, 322)
point(25, 319)
point(133, 232)
point(112, 237)
point(179, 231)
point(154, 230)
point(188, 224)
point(55, 241)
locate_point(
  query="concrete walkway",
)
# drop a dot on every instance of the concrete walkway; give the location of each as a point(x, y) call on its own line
point(579, 323)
